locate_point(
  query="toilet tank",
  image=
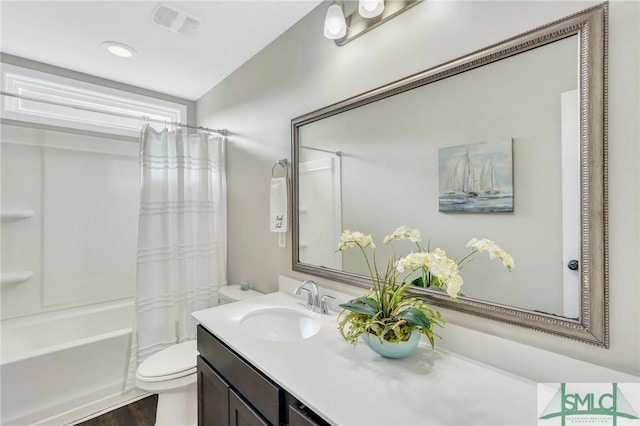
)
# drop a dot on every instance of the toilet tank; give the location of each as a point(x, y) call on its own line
point(233, 293)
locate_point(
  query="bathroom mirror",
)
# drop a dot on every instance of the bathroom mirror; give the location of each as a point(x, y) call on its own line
point(388, 157)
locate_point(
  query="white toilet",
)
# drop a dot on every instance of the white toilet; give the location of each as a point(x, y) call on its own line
point(171, 373)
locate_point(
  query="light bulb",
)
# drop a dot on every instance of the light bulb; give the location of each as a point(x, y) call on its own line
point(370, 5)
point(335, 26)
point(119, 49)
point(370, 8)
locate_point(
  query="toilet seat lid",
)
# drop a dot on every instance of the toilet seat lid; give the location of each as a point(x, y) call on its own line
point(170, 361)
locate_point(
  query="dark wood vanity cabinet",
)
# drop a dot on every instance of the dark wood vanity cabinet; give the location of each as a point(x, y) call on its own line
point(232, 392)
point(216, 411)
point(242, 414)
point(300, 416)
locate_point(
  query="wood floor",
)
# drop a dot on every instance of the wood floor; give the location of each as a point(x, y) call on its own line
point(139, 413)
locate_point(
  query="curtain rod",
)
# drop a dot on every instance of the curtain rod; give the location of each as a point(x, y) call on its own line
point(337, 153)
point(222, 132)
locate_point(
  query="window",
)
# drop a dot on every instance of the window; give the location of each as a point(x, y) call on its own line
point(125, 108)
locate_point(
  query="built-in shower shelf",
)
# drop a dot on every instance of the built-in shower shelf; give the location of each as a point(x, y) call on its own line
point(15, 277)
point(16, 214)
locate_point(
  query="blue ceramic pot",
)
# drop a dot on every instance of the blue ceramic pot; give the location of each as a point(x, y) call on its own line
point(392, 350)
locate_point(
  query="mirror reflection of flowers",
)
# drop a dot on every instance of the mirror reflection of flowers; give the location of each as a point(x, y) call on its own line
point(386, 310)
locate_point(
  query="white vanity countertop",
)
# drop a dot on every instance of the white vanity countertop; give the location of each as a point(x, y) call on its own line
point(348, 386)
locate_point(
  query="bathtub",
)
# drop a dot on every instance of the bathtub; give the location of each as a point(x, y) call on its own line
point(55, 362)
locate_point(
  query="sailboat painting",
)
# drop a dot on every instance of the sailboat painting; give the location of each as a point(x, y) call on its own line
point(476, 178)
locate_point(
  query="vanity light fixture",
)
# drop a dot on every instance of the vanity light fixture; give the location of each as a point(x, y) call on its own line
point(119, 49)
point(335, 26)
point(370, 14)
point(370, 8)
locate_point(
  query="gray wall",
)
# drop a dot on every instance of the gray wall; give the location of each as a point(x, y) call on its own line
point(302, 71)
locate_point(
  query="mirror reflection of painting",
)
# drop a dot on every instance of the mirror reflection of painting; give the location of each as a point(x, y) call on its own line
point(476, 177)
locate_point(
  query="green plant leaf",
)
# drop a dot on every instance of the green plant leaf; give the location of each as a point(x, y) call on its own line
point(429, 335)
point(418, 282)
point(360, 308)
point(397, 295)
point(414, 316)
point(368, 301)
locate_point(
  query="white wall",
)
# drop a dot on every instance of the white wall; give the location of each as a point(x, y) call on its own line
point(302, 71)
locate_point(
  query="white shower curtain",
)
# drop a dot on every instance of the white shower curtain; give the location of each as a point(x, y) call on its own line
point(182, 237)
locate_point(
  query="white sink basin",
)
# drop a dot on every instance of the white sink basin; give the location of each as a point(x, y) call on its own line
point(279, 324)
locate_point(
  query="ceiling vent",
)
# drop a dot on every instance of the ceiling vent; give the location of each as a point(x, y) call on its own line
point(175, 20)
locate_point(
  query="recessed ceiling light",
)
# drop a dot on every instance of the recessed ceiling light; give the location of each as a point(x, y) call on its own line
point(119, 49)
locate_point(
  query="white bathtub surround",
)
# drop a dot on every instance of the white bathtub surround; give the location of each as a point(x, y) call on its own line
point(57, 186)
point(182, 237)
point(67, 283)
point(64, 362)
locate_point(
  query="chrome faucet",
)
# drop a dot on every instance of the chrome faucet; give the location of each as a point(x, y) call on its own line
point(324, 308)
point(314, 301)
point(312, 295)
